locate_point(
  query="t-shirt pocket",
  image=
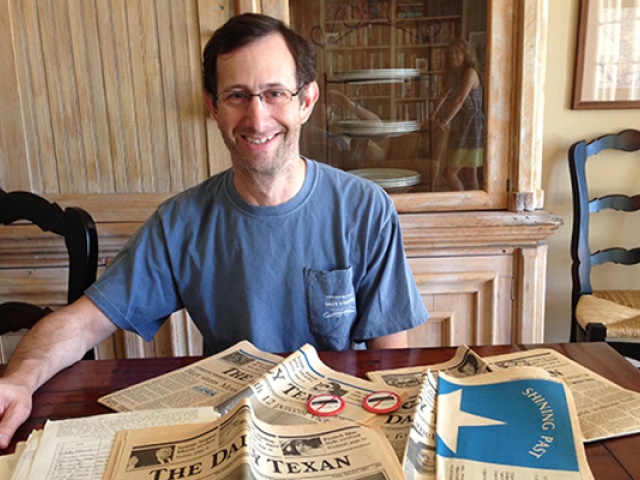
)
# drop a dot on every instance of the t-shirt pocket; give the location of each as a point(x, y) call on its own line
point(331, 302)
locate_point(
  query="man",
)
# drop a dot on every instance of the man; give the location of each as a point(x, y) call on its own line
point(279, 250)
point(422, 460)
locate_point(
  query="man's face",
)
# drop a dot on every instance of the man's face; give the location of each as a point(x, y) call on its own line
point(426, 461)
point(263, 139)
point(164, 453)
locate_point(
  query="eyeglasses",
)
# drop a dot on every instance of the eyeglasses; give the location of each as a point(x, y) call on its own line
point(242, 98)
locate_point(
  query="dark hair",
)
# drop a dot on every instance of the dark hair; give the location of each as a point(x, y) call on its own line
point(246, 28)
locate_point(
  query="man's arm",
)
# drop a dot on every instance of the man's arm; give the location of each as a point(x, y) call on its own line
point(394, 340)
point(55, 342)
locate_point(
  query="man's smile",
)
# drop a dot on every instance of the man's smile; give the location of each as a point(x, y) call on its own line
point(259, 141)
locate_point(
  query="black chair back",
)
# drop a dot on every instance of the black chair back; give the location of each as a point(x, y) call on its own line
point(81, 240)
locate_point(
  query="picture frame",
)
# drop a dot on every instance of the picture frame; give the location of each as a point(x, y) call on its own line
point(607, 67)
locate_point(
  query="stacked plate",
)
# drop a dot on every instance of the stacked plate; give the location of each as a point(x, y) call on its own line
point(389, 178)
point(368, 128)
point(383, 75)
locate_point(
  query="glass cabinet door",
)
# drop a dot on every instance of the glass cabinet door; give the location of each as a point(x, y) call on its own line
point(403, 97)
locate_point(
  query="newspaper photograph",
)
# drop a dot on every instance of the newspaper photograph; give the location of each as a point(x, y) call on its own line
point(605, 409)
point(208, 382)
point(519, 424)
point(240, 446)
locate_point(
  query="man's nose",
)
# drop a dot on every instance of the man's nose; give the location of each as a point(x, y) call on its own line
point(257, 111)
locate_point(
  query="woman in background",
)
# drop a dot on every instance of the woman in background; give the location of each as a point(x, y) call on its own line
point(464, 116)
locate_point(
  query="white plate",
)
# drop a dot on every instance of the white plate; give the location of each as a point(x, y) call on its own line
point(373, 127)
point(389, 177)
point(379, 75)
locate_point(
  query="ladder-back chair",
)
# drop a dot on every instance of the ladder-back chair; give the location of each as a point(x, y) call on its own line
point(603, 315)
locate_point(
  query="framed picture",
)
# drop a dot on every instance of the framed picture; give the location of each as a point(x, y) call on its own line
point(607, 68)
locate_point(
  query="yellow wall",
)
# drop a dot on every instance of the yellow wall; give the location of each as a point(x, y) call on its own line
point(562, 127)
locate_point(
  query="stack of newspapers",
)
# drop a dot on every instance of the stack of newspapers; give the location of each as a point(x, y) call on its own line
point(243, 414)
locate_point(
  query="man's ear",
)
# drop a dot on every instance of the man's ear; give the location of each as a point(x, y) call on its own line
point(311, 95)
point(209, 103)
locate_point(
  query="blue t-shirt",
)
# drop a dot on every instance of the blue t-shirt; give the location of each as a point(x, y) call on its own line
point(326, 268)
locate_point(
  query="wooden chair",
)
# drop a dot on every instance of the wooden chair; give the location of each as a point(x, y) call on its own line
point(81, 239)
point(602, 315)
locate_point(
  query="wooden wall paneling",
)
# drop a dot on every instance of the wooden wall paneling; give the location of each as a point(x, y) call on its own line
point(13, 145)
point(177, 337)
point(92, 103)
point(58, 53)
point(110, 96)
point(212, 15)
point(122, 168)
point(276, 8)
point(246, 6)
point(42, 286)
point(34, 114)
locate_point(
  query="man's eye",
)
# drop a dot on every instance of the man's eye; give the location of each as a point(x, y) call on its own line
point(237, 96)
point(274, 93)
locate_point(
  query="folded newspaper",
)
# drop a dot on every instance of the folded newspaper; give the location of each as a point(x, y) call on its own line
point(468, 420)
point(241, 446)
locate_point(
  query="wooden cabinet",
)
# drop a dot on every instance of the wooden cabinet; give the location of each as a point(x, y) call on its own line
point(482, 276)
point(103, 109)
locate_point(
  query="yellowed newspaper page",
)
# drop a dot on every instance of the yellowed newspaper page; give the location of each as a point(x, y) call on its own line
point(25, 460)
point(240, 446)
point(79, 448)
point(9, 462)
point(210, 381)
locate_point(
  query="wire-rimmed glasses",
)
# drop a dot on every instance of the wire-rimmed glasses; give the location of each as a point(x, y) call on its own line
point(236, 98)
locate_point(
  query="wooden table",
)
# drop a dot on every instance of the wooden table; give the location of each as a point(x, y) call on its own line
point(74, 391)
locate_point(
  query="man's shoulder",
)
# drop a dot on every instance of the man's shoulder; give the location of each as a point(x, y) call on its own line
point(345, 182)
point(198, 197)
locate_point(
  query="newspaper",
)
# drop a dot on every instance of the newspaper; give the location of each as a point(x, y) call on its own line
point(519, 424)
point(418, 411)
point(414, 431)
point(240, 446)
point(208, 382)
point(278, 396)
point(281, 396)
point(79, 448)
point(605, 410)
point(443, 429)
point(480, 424)
point(8, 463)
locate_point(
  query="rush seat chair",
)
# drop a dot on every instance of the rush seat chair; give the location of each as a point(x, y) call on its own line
point(601, 314)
